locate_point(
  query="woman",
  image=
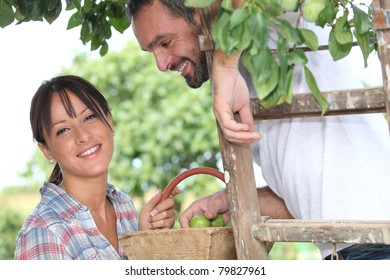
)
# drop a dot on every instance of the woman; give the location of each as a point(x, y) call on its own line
point(80, 215)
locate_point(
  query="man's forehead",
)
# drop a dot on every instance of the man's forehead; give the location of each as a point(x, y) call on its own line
point(150, 29)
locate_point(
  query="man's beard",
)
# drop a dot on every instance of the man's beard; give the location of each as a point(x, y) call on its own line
point(201, 73)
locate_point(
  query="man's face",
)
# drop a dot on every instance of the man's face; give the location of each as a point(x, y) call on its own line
point(173, 41)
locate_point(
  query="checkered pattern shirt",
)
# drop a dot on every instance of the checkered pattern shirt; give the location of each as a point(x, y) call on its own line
point(60, 228)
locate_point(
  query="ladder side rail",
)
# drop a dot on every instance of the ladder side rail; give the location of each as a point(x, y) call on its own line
point(381, 21)
point(239, 173)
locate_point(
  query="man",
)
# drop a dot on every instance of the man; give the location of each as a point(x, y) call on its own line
point(322, 167)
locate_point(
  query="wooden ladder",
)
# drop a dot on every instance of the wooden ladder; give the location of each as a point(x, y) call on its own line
point(251, 230)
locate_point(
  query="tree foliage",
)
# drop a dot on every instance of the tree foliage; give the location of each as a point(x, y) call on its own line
point(96, 18)
point(246, 29)
point(10, 223)
point(161, 126)
point(249, 29)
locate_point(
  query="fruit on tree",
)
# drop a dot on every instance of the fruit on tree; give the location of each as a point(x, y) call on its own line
point(290, 5)
point(311, 9)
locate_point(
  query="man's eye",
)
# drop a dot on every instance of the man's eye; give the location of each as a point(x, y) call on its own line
point(166, 43)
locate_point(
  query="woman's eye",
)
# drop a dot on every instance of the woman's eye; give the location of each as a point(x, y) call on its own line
point(61, 131)
point(90, 117)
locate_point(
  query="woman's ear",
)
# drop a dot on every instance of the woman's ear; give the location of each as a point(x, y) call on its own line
point(46, 152)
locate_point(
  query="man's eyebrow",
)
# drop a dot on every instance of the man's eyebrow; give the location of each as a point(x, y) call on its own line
point(156, 39)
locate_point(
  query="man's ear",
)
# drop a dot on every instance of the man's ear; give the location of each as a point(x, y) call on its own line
point(46, 152)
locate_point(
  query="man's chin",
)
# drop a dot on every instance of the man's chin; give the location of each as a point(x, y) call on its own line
point(195, 84)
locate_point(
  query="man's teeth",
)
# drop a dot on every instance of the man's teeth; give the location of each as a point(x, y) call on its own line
point(182, 67)
point(90, 151)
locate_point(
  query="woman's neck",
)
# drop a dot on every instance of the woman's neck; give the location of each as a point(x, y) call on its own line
point(91, 193)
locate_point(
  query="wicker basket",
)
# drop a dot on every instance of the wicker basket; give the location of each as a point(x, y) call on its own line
point(180, 244)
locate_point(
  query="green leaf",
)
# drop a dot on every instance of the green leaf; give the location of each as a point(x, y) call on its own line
point(52, 15)
point(227, 5)
point(291, 33)
point(69, 5)
point(264, 86)
point(238, 17)
point(297, 56)
point(104, 49)
point(218, 31)
point(198, 3)
point(74, 20)
point(53, 4)
point(271, 8)
point(261, 62)
point(337, 50)
point(245, 40)
point(258, 27)
point(77, 4)
point(327, 15)
point(361, 20)
point(342, 30)
point(85, 32)
point(312, 84)
point(6, 13)
point(120, 24)
point(363, 41)
point(235, 36)
point(310, 38)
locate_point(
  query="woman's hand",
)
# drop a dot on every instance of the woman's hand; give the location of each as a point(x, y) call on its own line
point(156, 214)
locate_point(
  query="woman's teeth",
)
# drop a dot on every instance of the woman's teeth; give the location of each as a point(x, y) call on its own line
point(90, 151)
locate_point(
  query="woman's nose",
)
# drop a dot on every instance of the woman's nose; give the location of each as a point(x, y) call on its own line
point(83, 135)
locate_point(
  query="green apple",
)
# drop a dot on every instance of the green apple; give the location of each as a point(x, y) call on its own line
point(311, 9)
point(199, 221)
point(290, 5)
point(218, 221)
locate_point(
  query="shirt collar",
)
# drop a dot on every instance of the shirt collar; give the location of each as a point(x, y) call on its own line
point(65, 205)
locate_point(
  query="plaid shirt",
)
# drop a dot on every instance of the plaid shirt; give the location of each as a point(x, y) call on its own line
point(60, 228)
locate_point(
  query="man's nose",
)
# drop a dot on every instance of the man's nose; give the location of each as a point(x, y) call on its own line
point(163, 60)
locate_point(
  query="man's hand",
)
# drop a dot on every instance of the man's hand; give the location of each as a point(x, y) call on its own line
point(209, 206)
point(231, 95)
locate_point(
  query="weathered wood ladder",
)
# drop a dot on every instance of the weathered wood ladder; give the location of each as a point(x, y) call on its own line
point(251, 230)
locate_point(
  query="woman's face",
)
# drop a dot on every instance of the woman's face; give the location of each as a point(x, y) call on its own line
point(83, 145)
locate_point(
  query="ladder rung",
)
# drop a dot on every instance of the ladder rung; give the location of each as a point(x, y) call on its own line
point(324, 231)
point(356, 101)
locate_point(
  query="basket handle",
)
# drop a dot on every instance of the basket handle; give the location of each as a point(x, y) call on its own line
point(193, 171)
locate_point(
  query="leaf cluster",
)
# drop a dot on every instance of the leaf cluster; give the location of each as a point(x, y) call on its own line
point(272, 47)
point(27, 10)
point(96, 18)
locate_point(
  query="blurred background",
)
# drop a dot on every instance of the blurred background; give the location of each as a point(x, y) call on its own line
point(162, 126)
